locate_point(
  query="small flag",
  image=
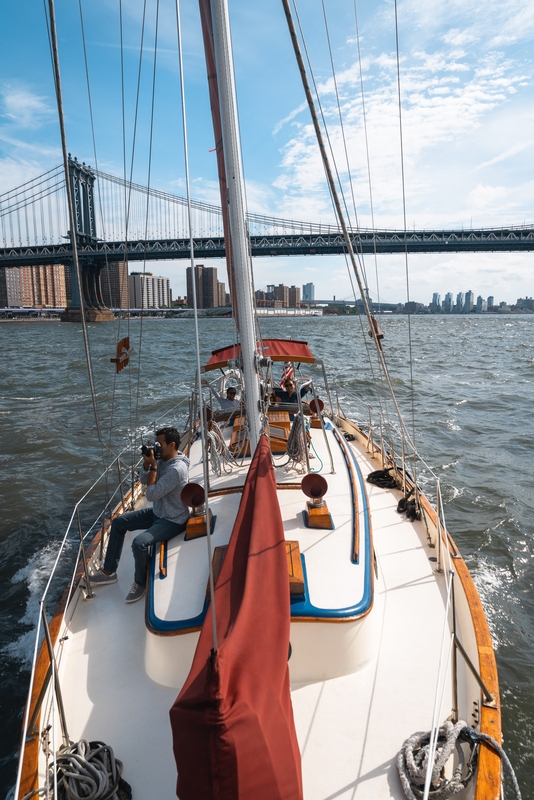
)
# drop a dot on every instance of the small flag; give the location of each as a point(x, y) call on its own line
point(212, 151)
point(287, 373)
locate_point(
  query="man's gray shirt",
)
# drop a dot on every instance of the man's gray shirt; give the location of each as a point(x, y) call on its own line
point(165, 493)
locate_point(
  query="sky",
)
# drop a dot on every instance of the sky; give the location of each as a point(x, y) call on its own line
point(466, 87)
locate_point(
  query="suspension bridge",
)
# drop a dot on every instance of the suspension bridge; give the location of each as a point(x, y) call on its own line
point(118, 220)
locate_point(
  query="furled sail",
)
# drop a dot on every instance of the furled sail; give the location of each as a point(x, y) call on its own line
point(233, 729)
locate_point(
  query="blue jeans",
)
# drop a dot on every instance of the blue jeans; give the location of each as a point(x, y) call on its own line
point(157, 530)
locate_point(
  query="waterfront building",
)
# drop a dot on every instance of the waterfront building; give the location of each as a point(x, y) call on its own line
point(469, 302)
point(308, 293)
point(149, 291)
point(481, 305)
point(491, 301)
point(211, 293)
point(459, 306)
point(281, 293)
point(10, 296)
point(294, 297)
point(42, 286)
point(435, 305)
point(115, 286)
point(448, 303)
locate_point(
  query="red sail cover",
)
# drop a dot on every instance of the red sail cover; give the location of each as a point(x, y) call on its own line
point(276, 349)
point(233, 730)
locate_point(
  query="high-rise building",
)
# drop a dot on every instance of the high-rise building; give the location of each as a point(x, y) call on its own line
point(308, 293)
point(435, 305)
point(469, 302)
point(198, 285)
point(114, 283)
point(210, 289)
point(491, 301)
point(149, 291)
point(43, 285)
point(10, 294)
point(448, 303)
point(211, 293)
point(460, 299)
point(481, 305)
point(294, 297)
point(281, 293)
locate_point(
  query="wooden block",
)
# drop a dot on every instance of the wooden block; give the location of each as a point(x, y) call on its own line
point(196, 526)
point(315, 422)
point(280, 419)
point(319, 516)
point(237, 447)
point(294, 568)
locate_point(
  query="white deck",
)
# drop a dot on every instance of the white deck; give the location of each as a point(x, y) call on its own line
point(350, 728)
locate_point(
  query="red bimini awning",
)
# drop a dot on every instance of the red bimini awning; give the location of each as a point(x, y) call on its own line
point(232, 724)
point(275, 349)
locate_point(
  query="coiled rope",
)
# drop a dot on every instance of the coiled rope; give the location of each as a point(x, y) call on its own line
point(412, 761)
point(296, 446)
point(87, 770)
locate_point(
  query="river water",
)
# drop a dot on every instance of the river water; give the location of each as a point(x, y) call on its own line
point(473, 379)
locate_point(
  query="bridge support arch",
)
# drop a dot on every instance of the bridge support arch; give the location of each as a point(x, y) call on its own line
point(82, 182)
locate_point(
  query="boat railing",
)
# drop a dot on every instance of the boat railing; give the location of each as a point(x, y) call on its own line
point(118, 480)
point(117, 499)
point(412, 473)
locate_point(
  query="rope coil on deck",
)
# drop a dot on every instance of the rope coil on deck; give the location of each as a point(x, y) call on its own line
point(412, 761)
point(89, 770)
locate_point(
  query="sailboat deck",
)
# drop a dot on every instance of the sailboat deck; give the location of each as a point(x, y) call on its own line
point(350, 728)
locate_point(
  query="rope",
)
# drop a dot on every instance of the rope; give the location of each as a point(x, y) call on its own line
point(296, 445)
point(215, 460)
point(412, 762)
point(87, 770)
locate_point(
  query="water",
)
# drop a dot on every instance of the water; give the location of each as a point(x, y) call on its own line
point(474, 395)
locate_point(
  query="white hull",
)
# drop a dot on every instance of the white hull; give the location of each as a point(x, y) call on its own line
point(360, 687)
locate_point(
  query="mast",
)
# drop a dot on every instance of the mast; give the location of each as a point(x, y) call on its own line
point(236, 210)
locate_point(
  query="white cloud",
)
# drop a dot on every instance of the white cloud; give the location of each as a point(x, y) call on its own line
point(512, 151)
point(23, 108)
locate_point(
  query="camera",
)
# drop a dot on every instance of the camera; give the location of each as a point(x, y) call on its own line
point(147, 449)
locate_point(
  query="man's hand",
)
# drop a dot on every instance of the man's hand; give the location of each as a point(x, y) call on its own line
point(149, 461)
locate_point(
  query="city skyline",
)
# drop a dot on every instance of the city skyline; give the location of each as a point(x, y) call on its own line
point(466, 92)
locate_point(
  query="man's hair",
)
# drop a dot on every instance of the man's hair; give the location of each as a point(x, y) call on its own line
point(171, 435)
point(289, 381)
point(231, 389)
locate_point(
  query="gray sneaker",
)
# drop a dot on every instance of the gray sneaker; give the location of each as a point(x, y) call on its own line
point(135, 593)
point(101, 579)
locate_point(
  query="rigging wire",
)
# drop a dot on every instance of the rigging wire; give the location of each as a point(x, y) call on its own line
point(376, 384)
point(102, 221)
point(407, 271)
point(52, 33)
point(203, 418)
point(151, 140)
point(364, 118)
point(339, 212)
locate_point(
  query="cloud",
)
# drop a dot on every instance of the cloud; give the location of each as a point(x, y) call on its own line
point(512, 151)
point(23, 108)
point(296, 111)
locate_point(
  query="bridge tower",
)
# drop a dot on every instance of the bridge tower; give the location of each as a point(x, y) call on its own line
point(82, 182)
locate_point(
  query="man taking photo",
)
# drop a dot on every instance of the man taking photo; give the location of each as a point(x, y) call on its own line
point(164, 478)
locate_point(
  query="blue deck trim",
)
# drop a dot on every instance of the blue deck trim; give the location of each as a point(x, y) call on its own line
point(301, 607)
point(166, 626)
